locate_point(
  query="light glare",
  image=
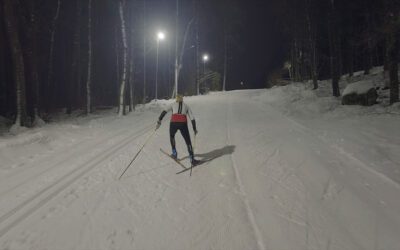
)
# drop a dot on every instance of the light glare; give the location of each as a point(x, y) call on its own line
point(160, 36)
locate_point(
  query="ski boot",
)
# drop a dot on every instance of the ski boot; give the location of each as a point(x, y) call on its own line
point(174, 154)
point(193, 161)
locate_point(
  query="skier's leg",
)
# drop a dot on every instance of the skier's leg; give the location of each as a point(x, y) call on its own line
point(185, 133)
point(172, 131)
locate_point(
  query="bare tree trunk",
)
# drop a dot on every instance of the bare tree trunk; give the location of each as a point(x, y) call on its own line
point(368, 60)
point(333, 46)
point(75, 76)
point(144, 51)
point(176, 75)
point(313, 49)
point(125, 54)
point(131, 87)
point(3, 94)
point(50, 84)
point(18, 61)
point(393, 50)
point(392, 30)
point(292, 62)
point(31, 59)
point(170, 88)
point(350, 55)
point(182, 52)
point(197, 48)
point(89, 74)
point(296, 60)
point(117, 59)
point(225, 60)
point(197, 57)
point(131, 64)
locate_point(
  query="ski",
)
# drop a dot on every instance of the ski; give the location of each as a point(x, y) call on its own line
point(193, 166)
point(176, 160)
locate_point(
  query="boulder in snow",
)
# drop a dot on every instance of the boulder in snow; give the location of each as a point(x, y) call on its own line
point(360, 93)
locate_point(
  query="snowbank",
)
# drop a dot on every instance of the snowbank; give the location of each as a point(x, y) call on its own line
point(358, 88)
point(300, 101)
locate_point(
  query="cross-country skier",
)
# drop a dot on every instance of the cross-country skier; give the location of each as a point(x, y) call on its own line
point(180, 112)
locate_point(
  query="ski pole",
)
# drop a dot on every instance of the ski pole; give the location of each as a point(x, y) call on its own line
point(140, 150)
point(194, 146)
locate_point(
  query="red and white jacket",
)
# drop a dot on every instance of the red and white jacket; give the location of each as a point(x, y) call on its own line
point(180, 112)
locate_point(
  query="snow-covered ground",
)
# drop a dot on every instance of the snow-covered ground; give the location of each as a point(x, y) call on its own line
point(287, 168)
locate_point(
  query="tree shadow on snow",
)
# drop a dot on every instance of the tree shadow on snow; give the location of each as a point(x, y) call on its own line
point(216, 153)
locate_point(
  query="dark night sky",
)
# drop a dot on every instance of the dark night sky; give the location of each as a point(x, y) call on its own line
point(258, 45)
point(261, 44)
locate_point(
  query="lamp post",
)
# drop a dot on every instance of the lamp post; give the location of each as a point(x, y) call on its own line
point(205, 59)
point(160, 37)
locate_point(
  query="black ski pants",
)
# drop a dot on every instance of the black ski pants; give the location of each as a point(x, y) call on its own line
point(183, 127)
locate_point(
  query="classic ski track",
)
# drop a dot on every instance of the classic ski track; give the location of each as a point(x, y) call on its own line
point(71, 148)
point(242, 192)
point(340, 151)
point(45, 170)
point(17, 214)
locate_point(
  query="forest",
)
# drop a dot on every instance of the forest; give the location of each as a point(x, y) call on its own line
point(83, 55)
point(328, 39)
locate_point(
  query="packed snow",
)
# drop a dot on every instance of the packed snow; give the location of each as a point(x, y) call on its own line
point(285, 168)
point(358, 88)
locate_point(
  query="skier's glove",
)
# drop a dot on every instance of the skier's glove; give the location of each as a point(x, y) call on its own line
point(158, 124)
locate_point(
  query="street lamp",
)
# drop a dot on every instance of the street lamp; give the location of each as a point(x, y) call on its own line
point(160, 37)
point(205, 59)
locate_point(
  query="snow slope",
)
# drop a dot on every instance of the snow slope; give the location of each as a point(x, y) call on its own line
point(280, 173)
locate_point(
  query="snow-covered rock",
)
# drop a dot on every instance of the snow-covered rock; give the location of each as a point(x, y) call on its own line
point(360, 93)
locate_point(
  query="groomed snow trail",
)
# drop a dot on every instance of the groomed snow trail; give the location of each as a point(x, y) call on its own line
point(269, 182)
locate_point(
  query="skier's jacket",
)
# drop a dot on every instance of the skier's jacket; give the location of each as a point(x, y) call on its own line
point(180, 112)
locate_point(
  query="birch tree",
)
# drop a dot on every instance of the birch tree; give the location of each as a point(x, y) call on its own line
point(125, 55)
point(131, 61)
point(179, 53)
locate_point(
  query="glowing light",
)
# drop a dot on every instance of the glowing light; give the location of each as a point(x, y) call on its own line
point(160, 35)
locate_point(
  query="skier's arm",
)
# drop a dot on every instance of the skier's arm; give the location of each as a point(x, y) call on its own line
point(191, 117)
point(194, 126)
point(163, 113)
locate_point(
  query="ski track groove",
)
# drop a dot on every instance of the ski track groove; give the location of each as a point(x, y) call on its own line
point(56, 188)
point(340, 151)
point(242, 192)
point(44, 171)
point(72, 148)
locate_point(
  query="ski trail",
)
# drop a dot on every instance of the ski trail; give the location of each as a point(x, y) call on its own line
point(20, 212)
point(341, 151)
point(242, 192)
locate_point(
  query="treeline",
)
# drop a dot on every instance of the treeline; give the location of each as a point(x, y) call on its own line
point(66, 55)
point(330, 38)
